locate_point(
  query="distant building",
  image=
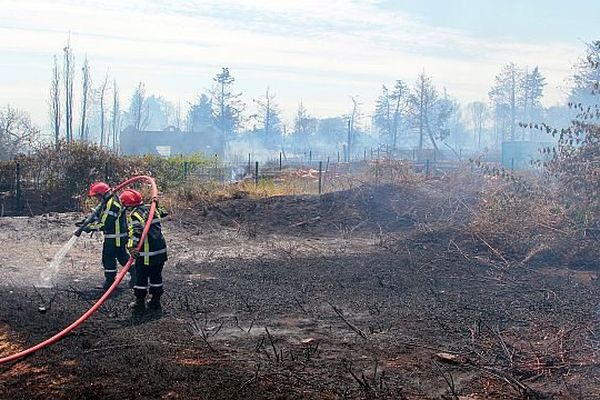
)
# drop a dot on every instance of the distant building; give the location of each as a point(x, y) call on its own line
point(170, 141)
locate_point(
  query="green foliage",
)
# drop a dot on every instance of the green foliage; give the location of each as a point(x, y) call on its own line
point(172, 171)
point(58, 176)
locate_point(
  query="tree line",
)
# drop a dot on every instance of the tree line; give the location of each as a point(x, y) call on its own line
point(419, 115)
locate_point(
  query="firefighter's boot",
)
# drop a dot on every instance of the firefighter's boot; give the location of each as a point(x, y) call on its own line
point(139, 305)
point(154, 303)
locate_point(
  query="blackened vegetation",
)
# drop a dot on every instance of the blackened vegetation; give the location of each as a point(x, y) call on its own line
point(377, 292)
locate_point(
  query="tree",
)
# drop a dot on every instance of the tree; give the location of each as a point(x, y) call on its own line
point(17, 132)
point(332, 131)
point(268, 116)
point(178, 115)
point(586, 77)
point(55, 111)
point(228, 107)
point(85, 95)
point(389, 110)
point(442, 110)
point(575, 159)
point(160, 113)
point(399, 100)
point(430, 113)
point(504, 96)
point(353, 120)
point(300, 119)
point(200, 115)
point(68, 75)
point(382, 117)
point(101, 100)
point(531, 92)
point(303, 125)
point(477, 112)
point(423, 97)
point(138, 115)
point(115, 117)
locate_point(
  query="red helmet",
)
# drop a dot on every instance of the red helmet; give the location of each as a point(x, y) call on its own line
point(98, 188)
point(131, 198)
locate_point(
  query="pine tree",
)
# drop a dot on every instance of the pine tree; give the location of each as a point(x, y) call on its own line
point(504, 96)
point(268, 116)
point(399, 100)
point(200, 115)
point(137, 108)
point(86, 83)
point(531, 91)
point(227, 106)
point(382, 118)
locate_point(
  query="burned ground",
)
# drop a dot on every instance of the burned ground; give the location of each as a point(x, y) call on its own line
point(374, 292)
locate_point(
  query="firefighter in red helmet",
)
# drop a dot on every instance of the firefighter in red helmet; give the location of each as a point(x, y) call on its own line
point(151, 258)
point(108, 217)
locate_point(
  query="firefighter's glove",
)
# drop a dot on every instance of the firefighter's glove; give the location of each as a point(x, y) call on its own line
point(133, 252)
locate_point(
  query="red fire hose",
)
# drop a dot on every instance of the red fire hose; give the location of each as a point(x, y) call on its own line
point(105, 296)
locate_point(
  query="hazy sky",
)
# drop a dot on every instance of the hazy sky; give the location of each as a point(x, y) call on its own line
point(320, 51)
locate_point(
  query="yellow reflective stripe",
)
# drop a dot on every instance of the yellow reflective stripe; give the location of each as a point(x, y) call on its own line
point(146, 250)
point(130, 231)
point(105, 214)
point(118, 232)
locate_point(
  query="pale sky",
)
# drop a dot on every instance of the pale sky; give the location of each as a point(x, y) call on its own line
point(320, 52)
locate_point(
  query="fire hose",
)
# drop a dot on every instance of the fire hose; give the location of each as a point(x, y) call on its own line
point(60, 335)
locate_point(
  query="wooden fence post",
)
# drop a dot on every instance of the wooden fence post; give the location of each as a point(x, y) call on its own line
point(256, 173)
point(320, 175)
point(18, 201)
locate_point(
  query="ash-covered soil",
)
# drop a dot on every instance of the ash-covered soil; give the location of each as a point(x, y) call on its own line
point(376, 292)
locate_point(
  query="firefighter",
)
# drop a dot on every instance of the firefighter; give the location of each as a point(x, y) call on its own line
point(109, 217)
point(151, 258)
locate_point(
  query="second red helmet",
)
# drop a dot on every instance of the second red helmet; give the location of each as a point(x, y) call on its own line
point(131, 198)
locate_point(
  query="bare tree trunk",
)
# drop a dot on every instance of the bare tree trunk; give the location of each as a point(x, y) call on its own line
point(85, 94)
point(223, 129)
point(267, 116)
point(68, 74)
point(349, 140)
point(513, 105)
point(115, 117)
point(431, 137)
point(353, 117)
point(139, 98)
point(396, 123)
point(102, 111)
point(178, 116)
point(55, 112)
point(421, 112)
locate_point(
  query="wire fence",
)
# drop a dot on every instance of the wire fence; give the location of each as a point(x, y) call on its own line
point(25, 188)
